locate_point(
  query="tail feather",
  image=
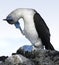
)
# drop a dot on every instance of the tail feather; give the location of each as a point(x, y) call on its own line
point(49, 46)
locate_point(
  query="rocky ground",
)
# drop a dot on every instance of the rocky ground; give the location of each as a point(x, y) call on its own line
point(34, 57)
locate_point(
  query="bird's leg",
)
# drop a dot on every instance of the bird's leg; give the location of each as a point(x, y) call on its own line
point(38, 45)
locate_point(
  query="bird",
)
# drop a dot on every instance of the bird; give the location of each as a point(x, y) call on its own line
point(35, 28)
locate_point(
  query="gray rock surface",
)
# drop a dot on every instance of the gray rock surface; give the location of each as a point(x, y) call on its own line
point(36, 57)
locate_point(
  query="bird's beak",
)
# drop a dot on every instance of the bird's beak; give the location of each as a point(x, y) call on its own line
point(5, 19)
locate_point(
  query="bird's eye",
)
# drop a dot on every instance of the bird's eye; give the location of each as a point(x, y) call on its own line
point(9, 18)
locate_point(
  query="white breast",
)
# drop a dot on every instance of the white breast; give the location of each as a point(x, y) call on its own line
point(29, 27)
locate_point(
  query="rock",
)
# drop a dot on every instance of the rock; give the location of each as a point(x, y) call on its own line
point(34, 57)
point(18, 59)
point(2, 58)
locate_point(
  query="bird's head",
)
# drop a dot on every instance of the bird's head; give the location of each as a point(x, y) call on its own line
point(13, 18)
point(10, 19)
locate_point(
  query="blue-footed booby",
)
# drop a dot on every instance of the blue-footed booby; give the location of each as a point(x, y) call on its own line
point(35, 28)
